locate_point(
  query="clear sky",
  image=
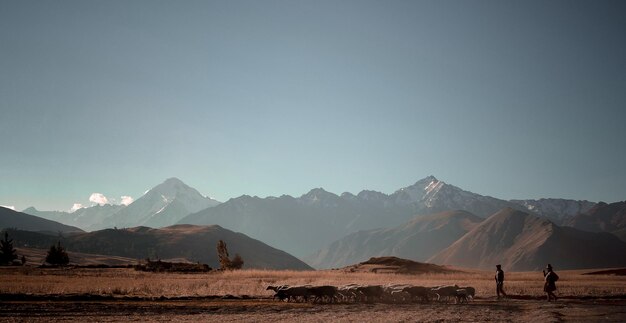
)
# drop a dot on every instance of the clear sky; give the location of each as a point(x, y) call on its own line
point(513, 99)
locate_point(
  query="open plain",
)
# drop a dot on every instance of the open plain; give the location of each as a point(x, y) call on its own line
point(80, 294)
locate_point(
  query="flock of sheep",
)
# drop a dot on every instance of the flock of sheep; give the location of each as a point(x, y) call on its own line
point(372, 293)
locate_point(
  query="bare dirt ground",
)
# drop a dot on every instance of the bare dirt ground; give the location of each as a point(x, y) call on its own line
point(264, 310)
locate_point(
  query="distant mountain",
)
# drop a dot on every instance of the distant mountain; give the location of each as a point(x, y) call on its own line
point(558, 211)
point(521, 241)
point(58, 216)
point(194, 243)
point(23, 221)
point(418, 239)
point(88, 218)
point(298, 225)
point(602, 217)
point(431, 195)
point(306, 224)
point(163, 205)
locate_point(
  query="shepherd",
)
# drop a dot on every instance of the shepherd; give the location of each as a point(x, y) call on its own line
point(500, 281)
point(550, 278)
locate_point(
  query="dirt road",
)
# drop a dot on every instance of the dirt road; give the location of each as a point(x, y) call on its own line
point(263, 310)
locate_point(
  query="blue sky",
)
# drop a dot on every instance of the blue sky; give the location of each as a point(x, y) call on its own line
point(513, 99)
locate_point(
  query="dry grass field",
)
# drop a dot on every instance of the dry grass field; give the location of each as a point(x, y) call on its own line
point(34, 294)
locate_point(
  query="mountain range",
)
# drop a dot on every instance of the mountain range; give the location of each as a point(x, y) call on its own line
point(161, 206)
point(307, 223)
point(329, 230)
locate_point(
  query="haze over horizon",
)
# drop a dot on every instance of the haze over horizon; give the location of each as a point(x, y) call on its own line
point(509, 99)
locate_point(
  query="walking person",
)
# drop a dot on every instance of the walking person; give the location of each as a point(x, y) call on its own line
point(500, 281)
point(549, 285)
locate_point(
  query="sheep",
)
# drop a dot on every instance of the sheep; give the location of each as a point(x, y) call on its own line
point(323, 293)
point(395, 293)
point(471, 291)
point(294, 293)
point(400, 296)
point(445, 291)
point(418, 292)
point(276, 288)
point(461, 295)
point(348, 293)
point(370, 293)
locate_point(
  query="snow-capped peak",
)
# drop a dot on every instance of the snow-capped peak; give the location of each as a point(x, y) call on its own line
point(433, 186)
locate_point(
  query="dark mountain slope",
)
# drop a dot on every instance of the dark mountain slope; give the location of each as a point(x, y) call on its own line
point(418, 239)
point(602, 217)
point(520, 241)
point(19, 220)
point(195, 243)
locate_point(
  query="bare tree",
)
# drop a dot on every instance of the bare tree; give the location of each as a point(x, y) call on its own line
point(225, 262)
point(222, 255)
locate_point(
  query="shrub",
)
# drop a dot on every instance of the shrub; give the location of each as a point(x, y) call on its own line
point(7, 252)
point(163, 266)
point(236, 262)
point(57, 255)
point(225, 262)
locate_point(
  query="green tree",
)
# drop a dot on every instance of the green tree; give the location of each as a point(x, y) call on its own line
point(57, 255)
point(7, 252)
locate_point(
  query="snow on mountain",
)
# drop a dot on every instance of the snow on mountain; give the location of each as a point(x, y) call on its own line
point(430, 195)
point(417, 192)
point(557, 210)
point(163, 205)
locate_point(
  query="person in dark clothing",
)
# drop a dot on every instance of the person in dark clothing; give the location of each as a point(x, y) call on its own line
point(500, 281)
point(549, 285)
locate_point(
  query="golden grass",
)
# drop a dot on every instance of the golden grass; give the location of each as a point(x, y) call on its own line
point(128, 282)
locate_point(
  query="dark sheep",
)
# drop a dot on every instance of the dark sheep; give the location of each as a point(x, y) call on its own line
point(371, 293)
point(324, 293)
point(418, 292)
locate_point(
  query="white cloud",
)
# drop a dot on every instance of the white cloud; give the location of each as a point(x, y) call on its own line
point(98, 198)
point(75, 207)
point(8, 207)
point(126, 200)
